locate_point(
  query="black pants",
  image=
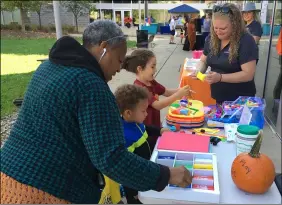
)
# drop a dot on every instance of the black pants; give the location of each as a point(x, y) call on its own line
point(205, 35)
point(130, 196)
point(186, 46)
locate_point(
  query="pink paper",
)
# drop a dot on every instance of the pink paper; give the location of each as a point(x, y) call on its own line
point(184, 142)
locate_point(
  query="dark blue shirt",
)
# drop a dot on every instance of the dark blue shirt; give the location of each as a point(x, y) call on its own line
point(255, 28)
point(132, 132)
point(248, 51)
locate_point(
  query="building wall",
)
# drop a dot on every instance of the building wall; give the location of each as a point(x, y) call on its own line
point(47, 17)
point(67, 18)
point(157, 6)
point(8, 17)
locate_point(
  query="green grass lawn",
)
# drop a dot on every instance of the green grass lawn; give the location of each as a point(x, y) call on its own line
point(18, 62)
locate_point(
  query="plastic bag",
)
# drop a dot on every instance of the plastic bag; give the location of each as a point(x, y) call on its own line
point(111, 192)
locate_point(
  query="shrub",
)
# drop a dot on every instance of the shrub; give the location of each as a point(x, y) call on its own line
point(4, 27)
point(45, 29)
point(68, 29)
point(28, 27)
point(35, 28)
point(52, 28)
point(14, 26)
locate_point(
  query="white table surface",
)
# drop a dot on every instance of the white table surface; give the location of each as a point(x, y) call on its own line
point(229, 193)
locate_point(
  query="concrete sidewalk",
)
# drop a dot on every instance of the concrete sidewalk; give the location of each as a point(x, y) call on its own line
point(169, 59)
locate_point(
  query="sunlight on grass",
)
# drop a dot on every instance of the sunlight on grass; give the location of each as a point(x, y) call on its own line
point(16, 64)
point(12, 87)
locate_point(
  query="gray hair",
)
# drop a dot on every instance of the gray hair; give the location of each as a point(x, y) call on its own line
point(102, 30)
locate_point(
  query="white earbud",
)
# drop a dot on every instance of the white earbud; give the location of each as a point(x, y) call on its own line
point(104, 52)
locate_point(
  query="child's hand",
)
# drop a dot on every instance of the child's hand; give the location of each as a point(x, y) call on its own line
point(184, 91)
point(164, 130)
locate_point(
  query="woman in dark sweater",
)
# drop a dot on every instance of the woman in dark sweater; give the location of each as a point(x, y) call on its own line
point(68, 133)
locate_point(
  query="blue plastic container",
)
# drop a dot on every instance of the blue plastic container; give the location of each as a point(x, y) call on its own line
point(257, 118)
point(266, 29)
point(276, 30)
point(151, 29)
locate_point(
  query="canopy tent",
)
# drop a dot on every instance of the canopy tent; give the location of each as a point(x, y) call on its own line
point(184, 8)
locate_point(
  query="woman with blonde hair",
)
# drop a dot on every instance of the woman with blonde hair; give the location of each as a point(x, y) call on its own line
point(231, 52)
point(252, 20)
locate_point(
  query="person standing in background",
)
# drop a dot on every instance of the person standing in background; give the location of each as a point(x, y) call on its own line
point(181, 34)
point(192, 34)
point(207, 25)
point(252, 20)
point(277, 88)
point(186, 46)
point(172, 30)
point(148, 21)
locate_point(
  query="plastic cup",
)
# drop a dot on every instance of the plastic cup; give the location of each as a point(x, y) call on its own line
point(195, 54)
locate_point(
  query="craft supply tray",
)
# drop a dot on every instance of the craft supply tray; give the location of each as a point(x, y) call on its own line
point(203, 168)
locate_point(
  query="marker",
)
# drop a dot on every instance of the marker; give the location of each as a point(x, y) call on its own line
point(188, 166)
point(194, 109)
point(203, 161)
point(202, 166)
point(174, 186)
point(204, 187)
point(222, 137)
point(165, 157)
point(203, 177)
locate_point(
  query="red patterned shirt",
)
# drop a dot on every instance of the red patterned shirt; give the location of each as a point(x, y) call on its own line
point(156, 89)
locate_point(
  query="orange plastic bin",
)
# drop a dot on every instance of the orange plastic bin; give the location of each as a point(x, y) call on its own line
point(202, 89)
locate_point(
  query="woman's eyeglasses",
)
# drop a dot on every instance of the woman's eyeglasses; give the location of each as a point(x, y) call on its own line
point(222, 9)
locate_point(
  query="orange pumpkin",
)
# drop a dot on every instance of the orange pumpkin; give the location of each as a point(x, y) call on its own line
point(253, 172)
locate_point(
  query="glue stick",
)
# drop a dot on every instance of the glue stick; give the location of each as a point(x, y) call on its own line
point(201, 76)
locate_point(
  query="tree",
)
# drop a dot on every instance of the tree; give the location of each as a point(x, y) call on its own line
point(23, 6)
point(92, 8)
point(2, 9)
point(36, 6)
point(78, 8)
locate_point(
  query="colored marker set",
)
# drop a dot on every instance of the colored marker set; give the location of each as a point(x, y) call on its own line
point(202, 167)
point(203, 174)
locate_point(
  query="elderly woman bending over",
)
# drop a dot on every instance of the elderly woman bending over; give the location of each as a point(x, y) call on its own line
point(69, 134)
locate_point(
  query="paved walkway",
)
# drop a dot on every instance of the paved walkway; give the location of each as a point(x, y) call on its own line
point(169, 59)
